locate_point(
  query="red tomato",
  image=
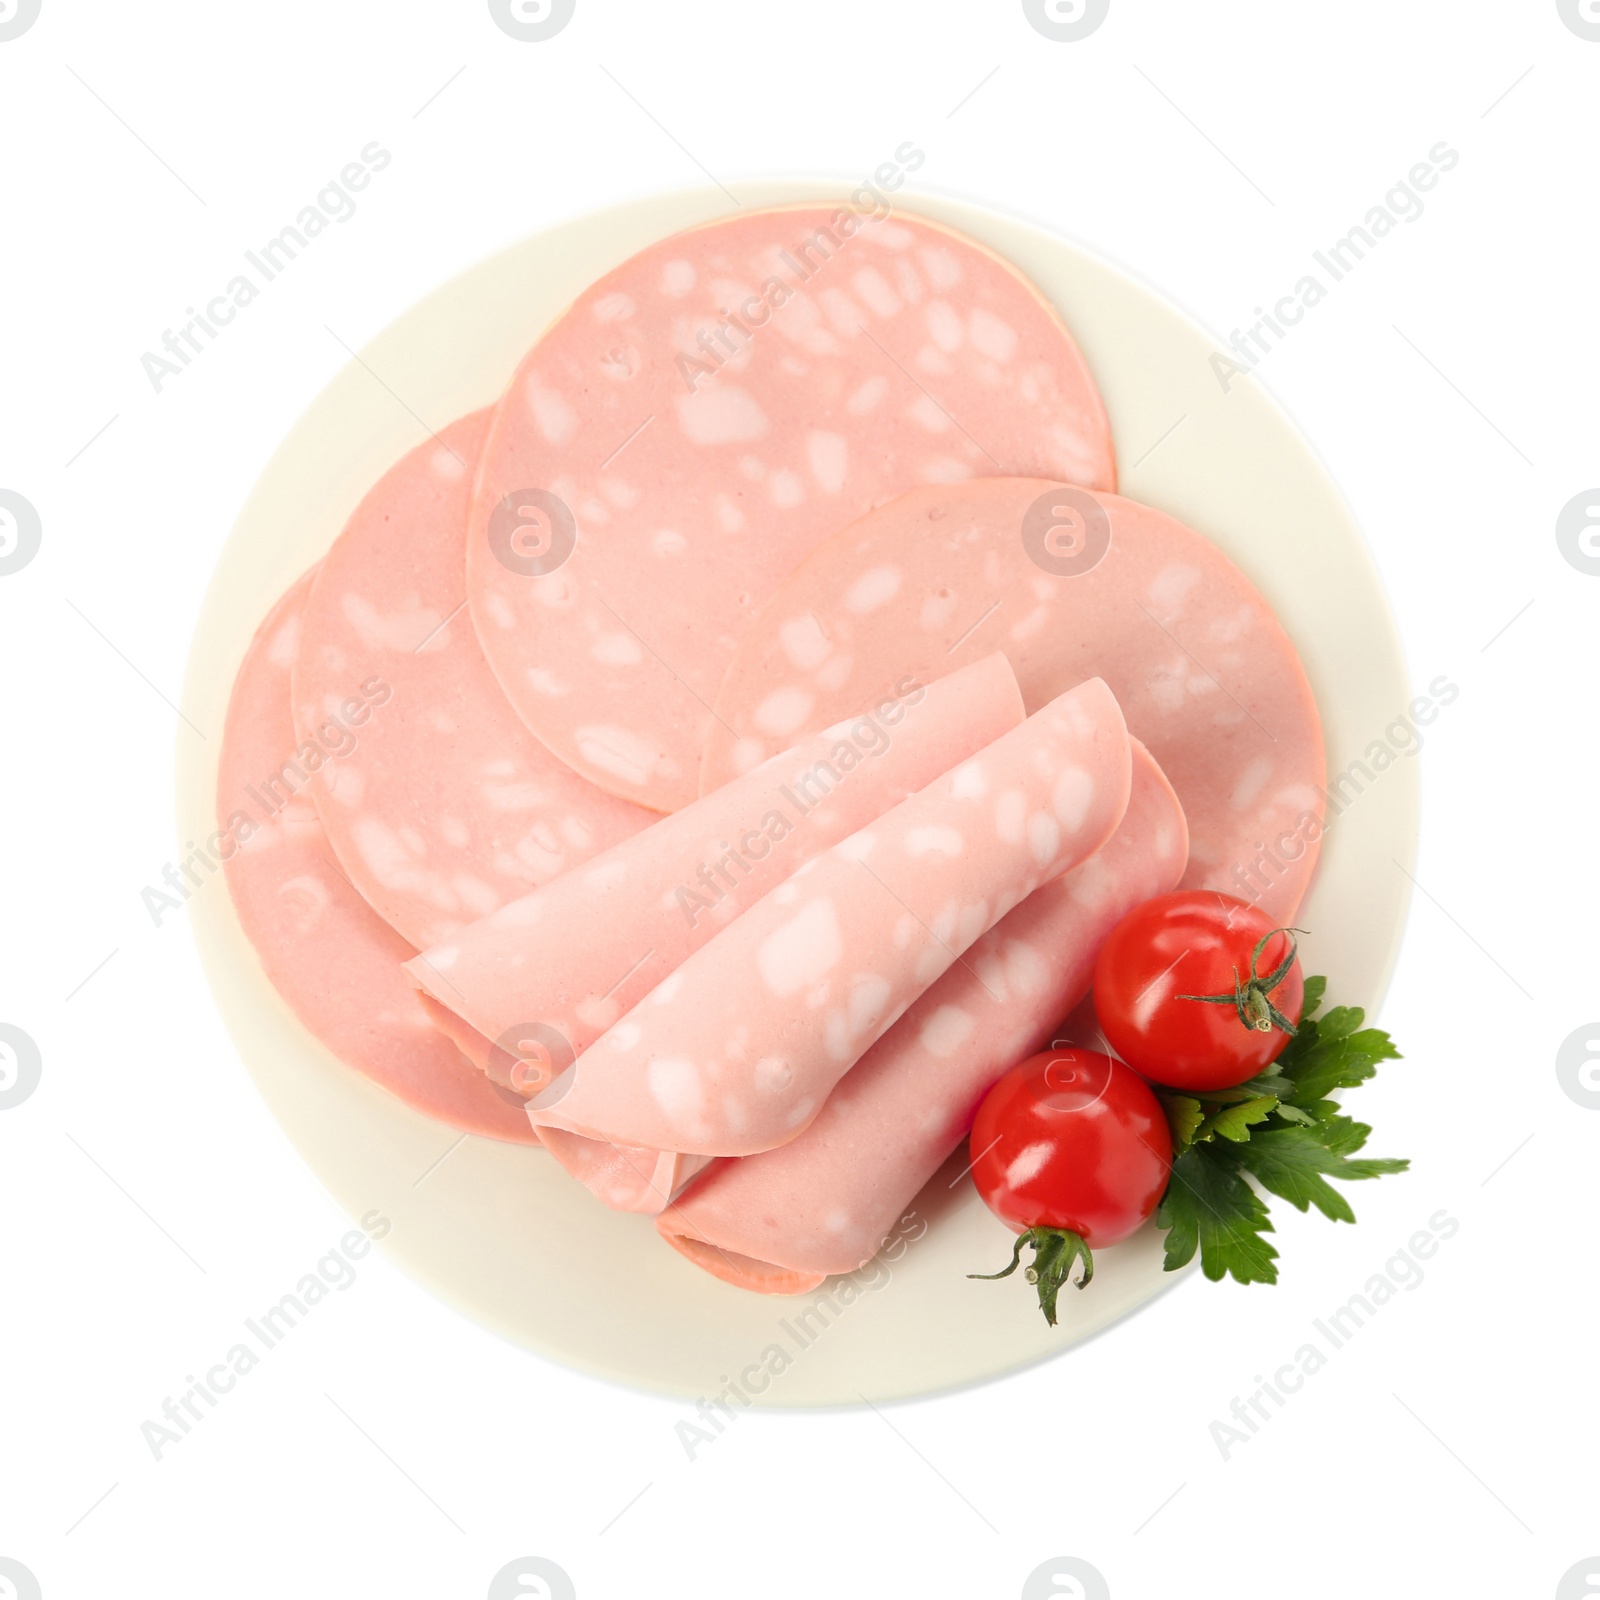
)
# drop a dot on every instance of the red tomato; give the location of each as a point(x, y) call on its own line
point(1071, 1150)
point(1197, 990)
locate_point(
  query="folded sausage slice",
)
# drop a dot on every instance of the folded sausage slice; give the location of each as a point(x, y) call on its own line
point(441, 806)
point(779, 1222)
point(737, 1050)
point(702, 417)
point(528, 989)
point(1071, 585)
point(332, 959)
point(624, 1177)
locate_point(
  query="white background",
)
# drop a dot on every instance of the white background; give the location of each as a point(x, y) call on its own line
point(149, 1202)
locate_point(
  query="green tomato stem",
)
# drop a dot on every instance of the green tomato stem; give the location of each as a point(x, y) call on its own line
point(1054, 1252)
point(1252, 999)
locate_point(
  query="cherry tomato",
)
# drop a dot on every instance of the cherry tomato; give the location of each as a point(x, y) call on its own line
point(1197, 990)
point(1071, 1151)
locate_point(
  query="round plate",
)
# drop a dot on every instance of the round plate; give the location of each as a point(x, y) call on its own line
point(499, 1231)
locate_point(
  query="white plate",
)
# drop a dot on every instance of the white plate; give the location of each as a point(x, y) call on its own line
point(499, 1231)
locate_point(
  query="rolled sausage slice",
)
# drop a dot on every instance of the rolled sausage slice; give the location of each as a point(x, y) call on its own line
point(738, 1049)
point(527, 990)
point(778, 1223)
point(334, 961)
point(624, 1177)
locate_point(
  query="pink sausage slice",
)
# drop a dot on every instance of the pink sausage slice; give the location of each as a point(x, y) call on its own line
point(706, 414)
point(737, 1050)
point(1070, 586)
point(624, 1177)
point(778, 1223)
point(443, 806)
point(332, 959)
point(546, 975)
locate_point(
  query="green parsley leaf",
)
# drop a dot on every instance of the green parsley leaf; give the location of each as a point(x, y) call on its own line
point(1342, 1135)
point(1334, 1052)
point(1295, 1164)
point(1184, 1116)
point(1235, 1122)
point(1283, 1129)
point(1341, 1020)
point(1315, 988)
point(1267, 1082)
point(1209, 1207)
point(1298, 1114)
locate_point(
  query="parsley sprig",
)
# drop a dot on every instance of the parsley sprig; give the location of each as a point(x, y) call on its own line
point(1281, 1128)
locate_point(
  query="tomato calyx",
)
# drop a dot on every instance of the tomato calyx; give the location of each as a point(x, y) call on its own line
point(1054, 1252)
point(1252, 999)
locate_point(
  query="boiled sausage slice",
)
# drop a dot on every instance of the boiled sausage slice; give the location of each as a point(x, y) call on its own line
point(1070, 585)
point(333, 960)
point(781, 1221)
point(445, 806)
point(705, 415)
point(738, 1049)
